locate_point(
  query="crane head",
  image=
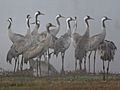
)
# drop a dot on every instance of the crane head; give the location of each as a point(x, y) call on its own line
point(10, 19)
point(50, 25)
point(70, 19)
point(88, 18)
point(28, 16)
point(39, 13)
point(106, 18)
point(60, 16)
point(75, 18)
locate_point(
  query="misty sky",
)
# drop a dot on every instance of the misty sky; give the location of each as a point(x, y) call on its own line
point(18, 9)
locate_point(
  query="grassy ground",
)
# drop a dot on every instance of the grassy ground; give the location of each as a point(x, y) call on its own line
point(68, 82)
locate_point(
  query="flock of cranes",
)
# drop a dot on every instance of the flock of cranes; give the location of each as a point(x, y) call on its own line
point(35, 45)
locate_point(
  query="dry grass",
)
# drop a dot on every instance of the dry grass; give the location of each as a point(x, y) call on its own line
point(60, 83)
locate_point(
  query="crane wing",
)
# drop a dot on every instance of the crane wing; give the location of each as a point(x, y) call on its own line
point(18, 37)
point(75, 38)
point(94, 41)
point(80, 50)
point(32, 52)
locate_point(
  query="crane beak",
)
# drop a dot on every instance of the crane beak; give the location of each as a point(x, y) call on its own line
point(42, 14)
point(53, 26)
point(109, 19)
point(62, 17)
point(92, 18)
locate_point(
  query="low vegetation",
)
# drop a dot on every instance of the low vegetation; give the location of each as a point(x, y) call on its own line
point(66, 82)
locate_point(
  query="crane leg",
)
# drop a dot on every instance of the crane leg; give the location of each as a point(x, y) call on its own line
point(39, 65)
point(75, 64)
point(48, 62)
point(80, 66)
point(108, 68)
point(89, 60)
point(21, 65)
point(85, 63)
point(103, 70)
point(15, 63)
point(62, 54)
point(45, 56)
point(18, 64)
point(94, 62)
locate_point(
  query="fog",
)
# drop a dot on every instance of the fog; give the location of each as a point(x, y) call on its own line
point(18, 9)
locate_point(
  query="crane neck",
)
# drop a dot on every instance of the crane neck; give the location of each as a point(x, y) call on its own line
point(87, 33)
point(75, 27)
point(58, 26)
point(87, 24)
point(48, 29)
point(9, 25)
point(87, 29)
point(103, 24)
point(58, 22)
point(68, 25)
point(28, 23)
point(10, 33)
point(37, 25)
point(28, 32)
point(104, 27)
point(36, 20)
point(28, 28)
point(48, 37)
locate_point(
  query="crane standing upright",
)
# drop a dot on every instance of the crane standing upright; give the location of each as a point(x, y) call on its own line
point(82, 45)
point(95, 41)
point(63, 43)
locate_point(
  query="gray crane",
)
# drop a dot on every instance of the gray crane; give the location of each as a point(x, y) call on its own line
point(82, 44)
point(37, 50)
point(95, 40)
point(53, 32)
point(12, 53)
point(63, 43)
point(76, 37)
point(107, 52)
